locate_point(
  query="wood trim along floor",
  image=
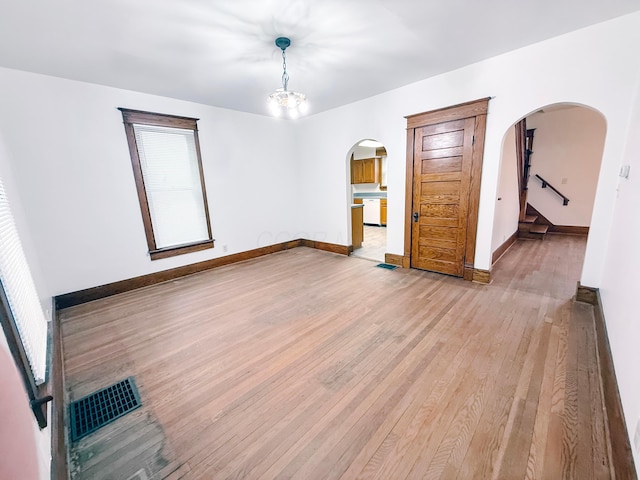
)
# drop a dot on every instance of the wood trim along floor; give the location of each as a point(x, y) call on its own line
point(481, 276)
point(59, 470)
point(102, 291)
point(327, 247)
point(620, 446)
point(501, 250)
point(569, 229)
point(393, 259)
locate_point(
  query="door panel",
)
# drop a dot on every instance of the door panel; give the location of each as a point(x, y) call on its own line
point(442, 165)
point(441, 178)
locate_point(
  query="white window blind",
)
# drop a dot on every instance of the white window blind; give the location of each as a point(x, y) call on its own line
point(21, 294)
point(171, 173)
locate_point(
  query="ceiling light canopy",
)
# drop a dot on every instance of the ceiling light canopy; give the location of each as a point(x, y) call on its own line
point(283, 100)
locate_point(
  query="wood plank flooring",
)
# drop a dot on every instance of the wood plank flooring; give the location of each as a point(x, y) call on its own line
point(310, 365)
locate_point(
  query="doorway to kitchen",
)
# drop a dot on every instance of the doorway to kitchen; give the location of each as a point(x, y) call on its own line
point(368, 199)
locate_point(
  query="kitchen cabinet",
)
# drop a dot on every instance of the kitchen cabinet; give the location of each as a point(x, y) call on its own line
point(357, 225)
point(383, 211)
point(366, 170)
point(357, 169)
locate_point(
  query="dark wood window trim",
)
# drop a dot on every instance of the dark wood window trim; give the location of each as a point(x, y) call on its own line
point(131, 117)
point(38, 395)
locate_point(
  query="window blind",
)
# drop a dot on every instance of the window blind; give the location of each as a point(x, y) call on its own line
point(21, 294)
point(171, 173)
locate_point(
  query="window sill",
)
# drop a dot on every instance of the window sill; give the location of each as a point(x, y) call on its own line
point(180, 249)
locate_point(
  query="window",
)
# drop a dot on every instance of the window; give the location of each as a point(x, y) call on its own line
point(165, 155)
point(21, 315)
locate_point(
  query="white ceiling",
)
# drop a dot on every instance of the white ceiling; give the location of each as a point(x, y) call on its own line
point(222, 52)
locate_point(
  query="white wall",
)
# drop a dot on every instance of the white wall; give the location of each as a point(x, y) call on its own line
point(620, 287)
point(595, 66)
point(72, 169)
point(505, 220)
point(567, 146)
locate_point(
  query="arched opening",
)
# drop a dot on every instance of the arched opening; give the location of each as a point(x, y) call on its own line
point(367, 199)
point(549, 172)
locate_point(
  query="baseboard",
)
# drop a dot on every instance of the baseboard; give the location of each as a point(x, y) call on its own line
point(327, 247)
point(393, 259)
point(622, 455)
point(481, 276)
point(586, 294)
point(501, 250)
point(95, 293)
point(569, 230)
point(59, 464)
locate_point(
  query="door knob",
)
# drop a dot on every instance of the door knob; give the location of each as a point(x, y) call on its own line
point(415, 216)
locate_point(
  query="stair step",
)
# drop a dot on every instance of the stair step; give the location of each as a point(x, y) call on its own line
point(541, 229)
point(530, 219)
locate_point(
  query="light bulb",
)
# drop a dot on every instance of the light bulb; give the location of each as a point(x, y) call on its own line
point(293, 113)
point(303, 107)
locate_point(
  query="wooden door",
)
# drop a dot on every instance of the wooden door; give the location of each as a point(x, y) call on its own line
point(442, 161)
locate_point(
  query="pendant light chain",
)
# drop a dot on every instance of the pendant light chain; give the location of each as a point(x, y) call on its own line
point(285, 75)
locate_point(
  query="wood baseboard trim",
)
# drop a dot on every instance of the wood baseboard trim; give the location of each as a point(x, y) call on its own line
point(502, 249)
point(622, 455)
point(569, 230)
point(95, 293)
point(586, 294)
point(59, 462)
point(393, 259)
point(481, 276)
point(87, 295)
point(327, 247)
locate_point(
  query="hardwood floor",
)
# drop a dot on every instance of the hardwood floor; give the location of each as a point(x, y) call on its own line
point(306, 364)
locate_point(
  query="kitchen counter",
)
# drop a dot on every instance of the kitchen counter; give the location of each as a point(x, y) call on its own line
point(370, 195)
point(357, 205)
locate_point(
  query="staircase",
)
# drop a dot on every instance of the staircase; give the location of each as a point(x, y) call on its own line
point(528, 228)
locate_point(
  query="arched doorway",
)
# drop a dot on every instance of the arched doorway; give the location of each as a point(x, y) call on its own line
point(548, 175)
point(367, 199)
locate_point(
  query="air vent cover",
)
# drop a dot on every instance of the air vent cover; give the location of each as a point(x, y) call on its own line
point(102, 407)
point(388, 266)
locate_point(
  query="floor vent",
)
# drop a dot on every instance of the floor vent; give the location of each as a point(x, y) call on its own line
point(102, 407)
point(388, 266)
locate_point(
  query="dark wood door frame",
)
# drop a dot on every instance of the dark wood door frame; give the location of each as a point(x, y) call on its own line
point(477, 109)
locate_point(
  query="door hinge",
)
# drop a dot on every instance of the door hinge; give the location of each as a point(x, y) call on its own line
point(473, 140)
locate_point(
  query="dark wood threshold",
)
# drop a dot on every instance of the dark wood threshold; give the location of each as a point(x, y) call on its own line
point(59, 469)
point(87, 295)
point(502, 249)
point(622, 455)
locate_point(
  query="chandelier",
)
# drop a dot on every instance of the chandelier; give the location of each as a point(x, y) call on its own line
point(284, 100)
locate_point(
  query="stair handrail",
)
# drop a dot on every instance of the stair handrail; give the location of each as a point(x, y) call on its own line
point(545, 184)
